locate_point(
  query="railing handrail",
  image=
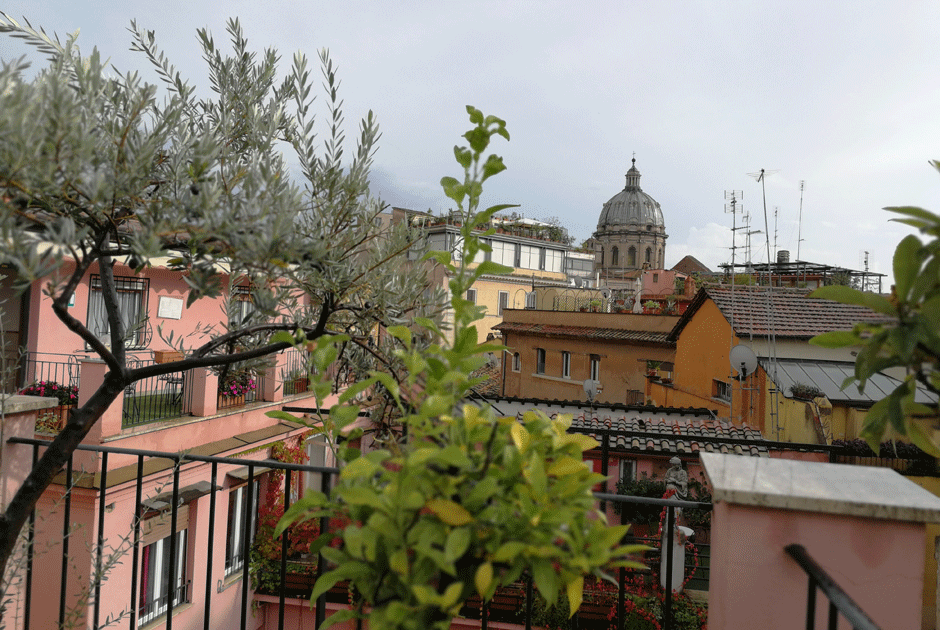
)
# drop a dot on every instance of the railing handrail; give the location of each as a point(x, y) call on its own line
point(183, 457)
point(837, 597)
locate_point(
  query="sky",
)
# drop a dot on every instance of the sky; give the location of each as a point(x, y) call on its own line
point(843, 96)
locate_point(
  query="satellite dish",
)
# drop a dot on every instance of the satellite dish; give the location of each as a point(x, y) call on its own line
point(590, 388)
point(743, 361)
point(605, 292)
point(578, 282)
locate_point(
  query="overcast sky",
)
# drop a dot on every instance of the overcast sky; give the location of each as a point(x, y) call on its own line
point(842, 95)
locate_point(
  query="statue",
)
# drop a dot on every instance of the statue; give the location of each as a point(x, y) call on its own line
point(677, 478)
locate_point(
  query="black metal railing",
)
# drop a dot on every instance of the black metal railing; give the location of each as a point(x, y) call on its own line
point(294, 378)
point(155, 398)
point(147, 605)
point(47, 366)
point(839, 600)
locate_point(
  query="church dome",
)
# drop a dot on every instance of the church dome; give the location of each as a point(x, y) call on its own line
point(631, 206)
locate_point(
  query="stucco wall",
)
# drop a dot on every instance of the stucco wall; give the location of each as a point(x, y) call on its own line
point(755, 584)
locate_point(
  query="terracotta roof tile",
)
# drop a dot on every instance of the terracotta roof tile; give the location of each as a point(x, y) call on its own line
point(784, 311)
point(583, 332)
point(633, 434)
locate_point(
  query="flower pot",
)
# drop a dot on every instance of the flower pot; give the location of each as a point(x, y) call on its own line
point(63, 415)
point(227, 402)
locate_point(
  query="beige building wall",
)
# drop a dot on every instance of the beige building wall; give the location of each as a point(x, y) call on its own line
point(622, 364)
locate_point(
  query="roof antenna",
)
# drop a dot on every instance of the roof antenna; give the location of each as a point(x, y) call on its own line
point(799, 229)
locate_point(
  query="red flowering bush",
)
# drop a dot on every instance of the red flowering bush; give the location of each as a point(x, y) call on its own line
point(66, 394)
point(266, 551)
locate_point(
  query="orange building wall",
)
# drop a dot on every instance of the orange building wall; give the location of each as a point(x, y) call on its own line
point(701, 357)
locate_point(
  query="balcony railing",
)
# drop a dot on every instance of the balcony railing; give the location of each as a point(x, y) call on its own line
point(179, 582)
point(839, 601)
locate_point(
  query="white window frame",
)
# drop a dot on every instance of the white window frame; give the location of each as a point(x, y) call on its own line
point(503, 253)
point(595, 368)
point(529, 257)
point(540, 360)
point(155, 574)
point(316, 456)
point(235, 527)
point(554, 260)
point(472, 296)
point(565, 364)
point(530, 300)
point(722, 390)
point(503, 302)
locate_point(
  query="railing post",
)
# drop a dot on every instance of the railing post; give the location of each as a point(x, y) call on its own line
point(204, 385)
point(667, 542)
point(274, 376)
point(16, 460)
point(93, 372)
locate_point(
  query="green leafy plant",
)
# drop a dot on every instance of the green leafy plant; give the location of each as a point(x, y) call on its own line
point(910, 338)
point(468, 501)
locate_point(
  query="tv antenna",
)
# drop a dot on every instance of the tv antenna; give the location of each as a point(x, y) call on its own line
point(799, 229)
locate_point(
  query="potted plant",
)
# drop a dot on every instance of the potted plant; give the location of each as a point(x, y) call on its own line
point(802, 391)
point(651, 307)
point(595, 306)
point(67, 395)
point(234, 386)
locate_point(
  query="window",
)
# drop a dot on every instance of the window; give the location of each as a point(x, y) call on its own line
point(238, 505)
point(566, 365)
point(631, 257)
point(503, 302)
point(472, 296)
point(595, 367)
point(554, 260)
point(316, 454)
point(504, 253)
point(529, 257)
point(602, 256)
point(722, 390)
point(132, 306)
point(242, 306)
point(649, 255)
point(156, 560)
point(540, 360)
point(614, 256)
point(627, 470)
point(530, 300)
point(516, 362)
point(655, 277)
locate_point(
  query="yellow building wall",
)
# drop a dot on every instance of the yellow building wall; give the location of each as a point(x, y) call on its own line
point(516, 285)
